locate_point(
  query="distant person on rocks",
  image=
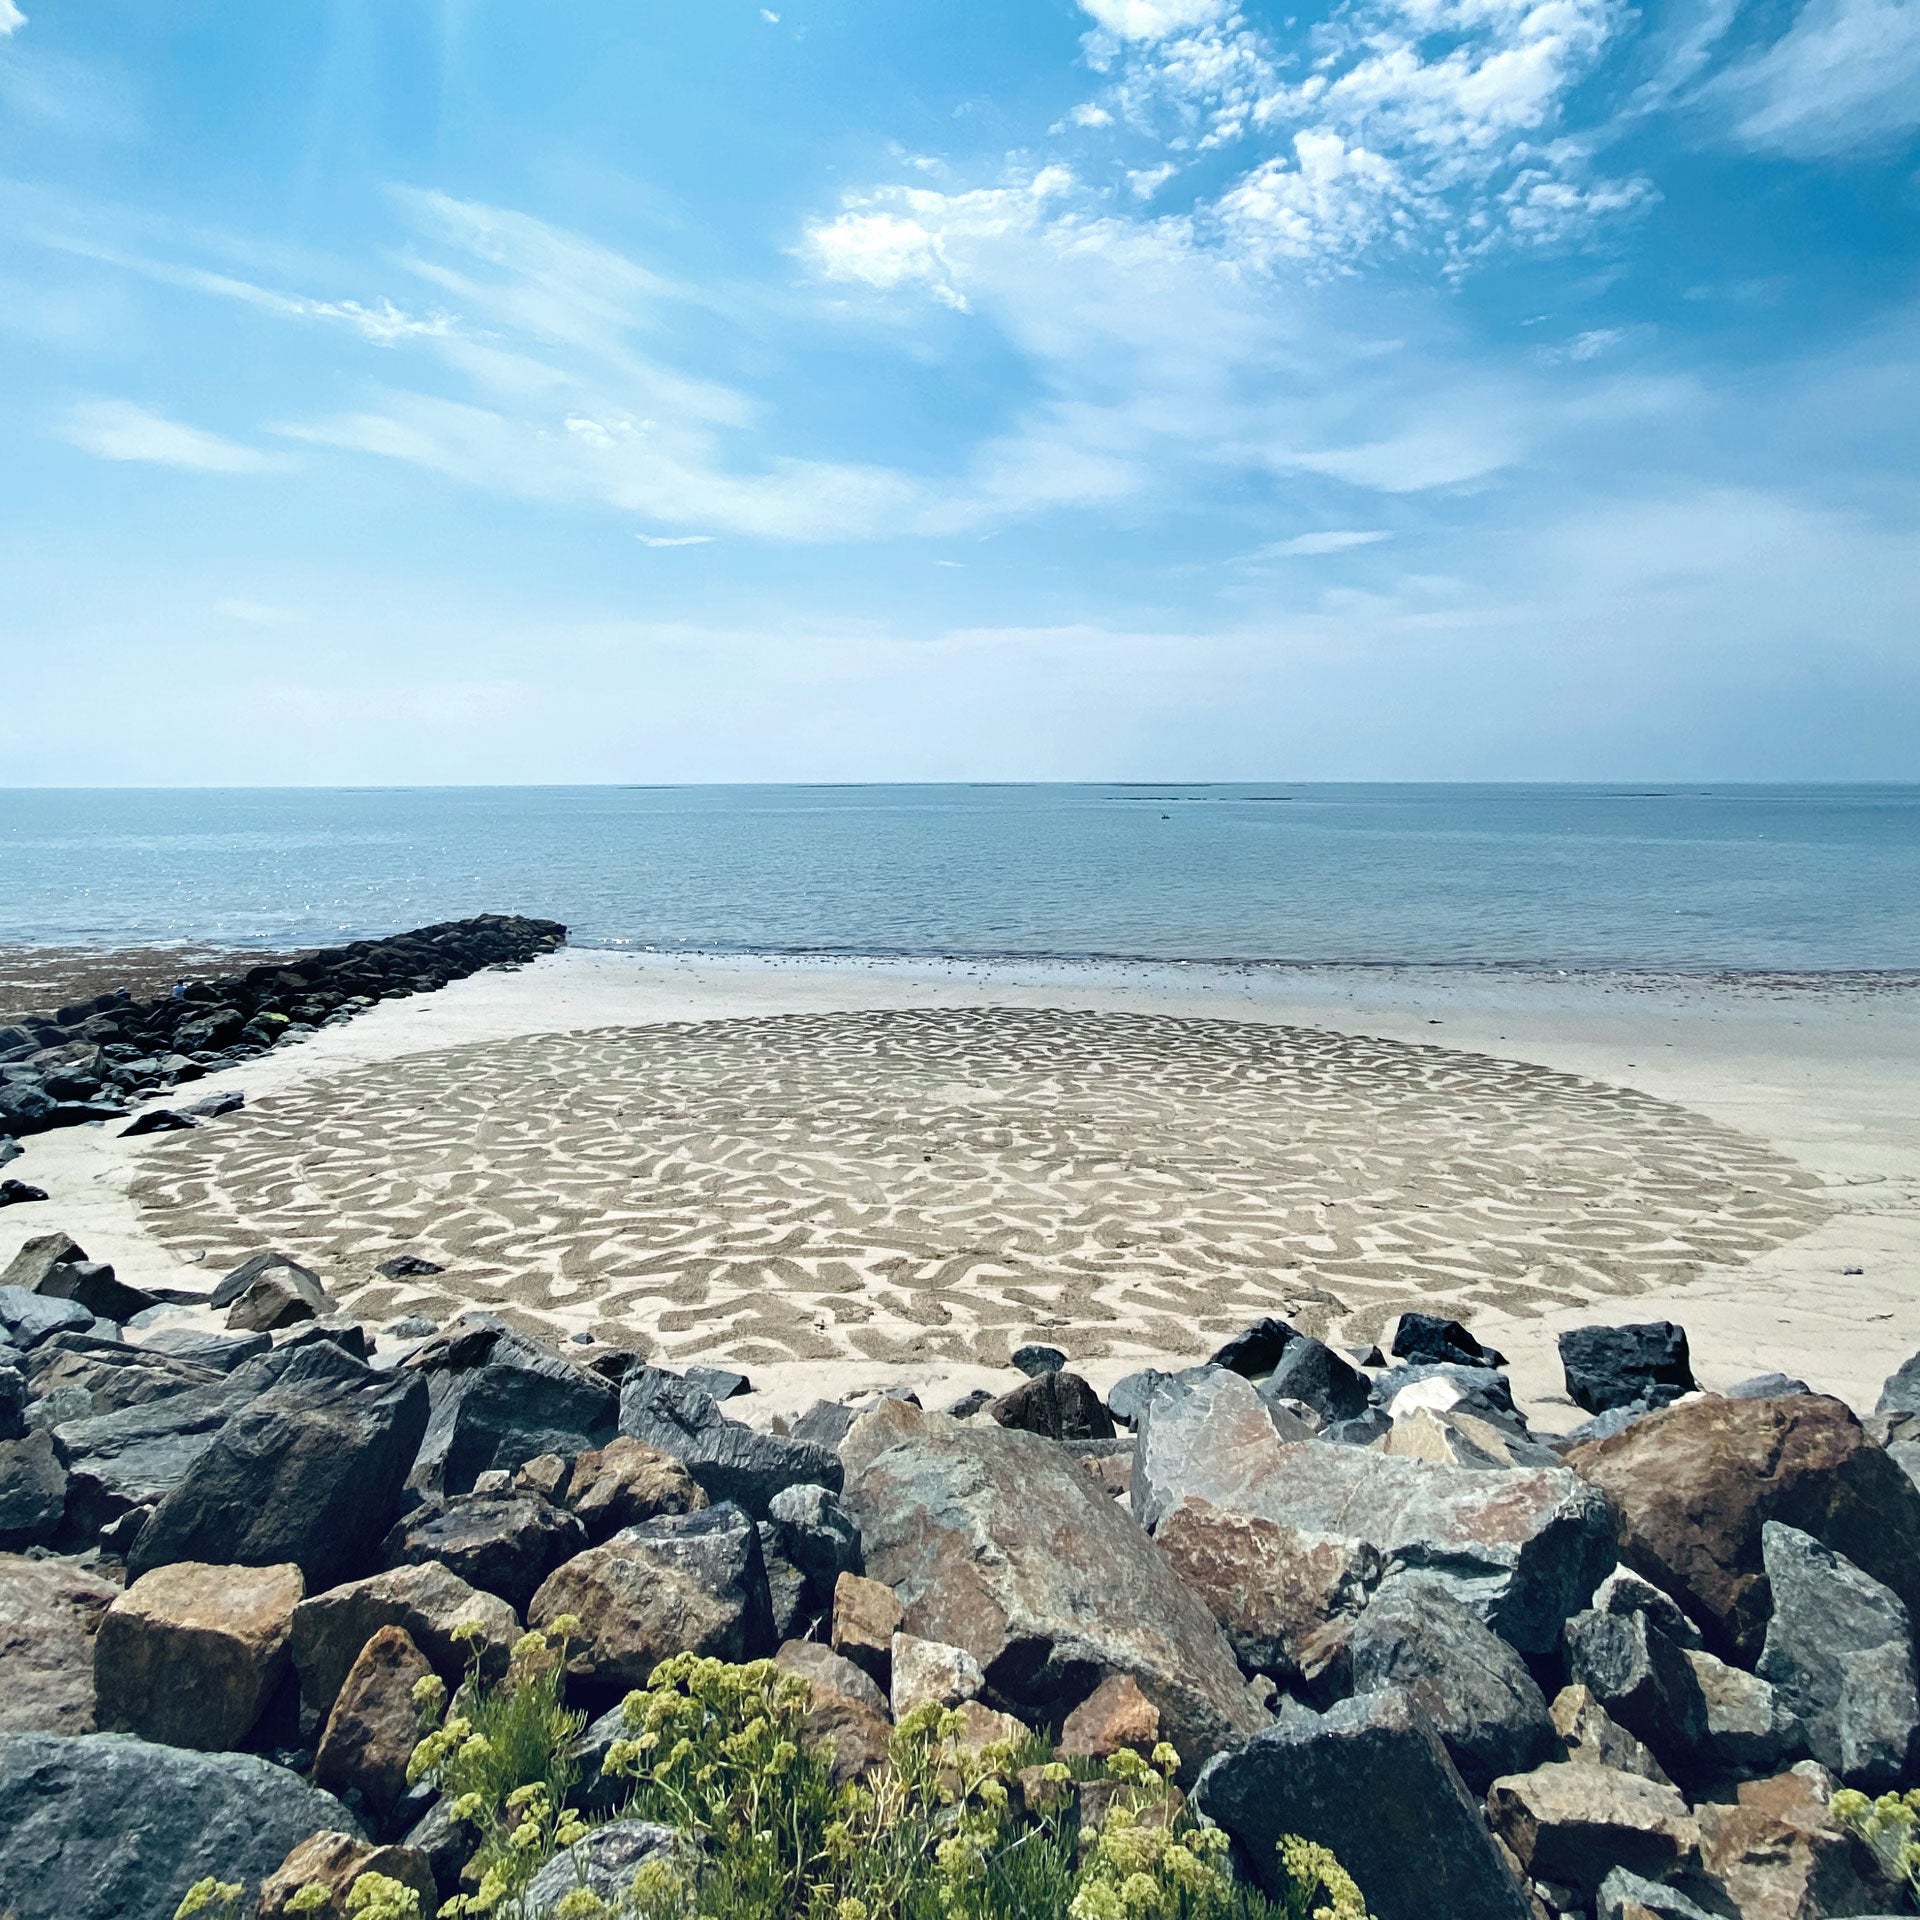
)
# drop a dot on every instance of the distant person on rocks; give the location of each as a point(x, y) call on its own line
point(179, 990)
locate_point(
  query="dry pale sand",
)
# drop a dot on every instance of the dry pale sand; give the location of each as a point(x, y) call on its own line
point(873, 1172)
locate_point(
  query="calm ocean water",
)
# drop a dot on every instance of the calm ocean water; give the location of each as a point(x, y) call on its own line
point(1658, 877)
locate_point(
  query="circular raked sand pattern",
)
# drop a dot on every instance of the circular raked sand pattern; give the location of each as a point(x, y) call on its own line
point(942, 1183)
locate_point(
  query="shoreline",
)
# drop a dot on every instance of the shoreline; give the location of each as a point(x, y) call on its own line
point(1830, 1082)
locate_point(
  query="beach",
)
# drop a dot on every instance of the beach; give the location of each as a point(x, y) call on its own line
point(846, 1173)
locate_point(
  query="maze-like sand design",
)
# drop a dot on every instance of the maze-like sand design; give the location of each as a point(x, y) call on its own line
point(943, 1183)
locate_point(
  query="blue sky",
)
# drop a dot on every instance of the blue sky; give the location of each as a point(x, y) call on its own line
point(454, 390)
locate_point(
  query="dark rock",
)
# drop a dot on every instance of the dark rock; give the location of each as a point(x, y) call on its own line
point(1256, 1350)
point(1642, 1365)
point(407, 1266)
point(1361, 1431)
point(311, 1472)
point(1476, 1390)
point(1036, 1360)
point(502, 1543)
point(730, 1461)
point(348, 1335)
point(13, 1394)
point(1901, 1393)
point(1060, 1405)
point(38, 1257)
point(374, 1726)
point(33, 1492)
point(825, 1423)
point(1425, 1338)
point(605, 1863)
point(1371, 1781)
point(719, 1383)
point(256, 1267)
point(217, 1104)
point(1750, 1729)
point(113, 1828)
point(10, 1149)
point(1131, 1392)
point(1627, 1896)
point(1839, 1652)
point(281, 1294)
point(818, 1536)
point(92, 1284)
point(1692, 1485)
point(1768, 1386)
point(16, 1193)
point(1312, 1372)
point(618, 1485)
point(498, 1400)
point(222, 1352)
point(157, 1120)
point(1642, 1679)
point(975, 1400)
point(1623, 1592)
point(1492, 1717)
point(111, 1374)
point(998, 1543)
point(788, 1598)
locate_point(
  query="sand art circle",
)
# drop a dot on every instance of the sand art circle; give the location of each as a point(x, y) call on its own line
point(941, 1183)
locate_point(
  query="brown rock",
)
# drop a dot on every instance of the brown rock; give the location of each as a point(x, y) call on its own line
point(335, 1861)
point(190, 1654)
point(282, 1296)
point(49, 1613)
point(427, 1601)
point(1115, 1714)
point(1572, 1824)
point(866, 1616)
point(1781, 1855)
point(546, 1474)
point(924, 1670)
point(374, 1726)
point(847, 1710)
point(626, 1482)
point(1692, 1485)
point(1041, 1794)
point(1594, 1737)
point(1287, 1599)
point(981, 1726)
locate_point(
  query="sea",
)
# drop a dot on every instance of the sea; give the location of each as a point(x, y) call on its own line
point(1615, 877)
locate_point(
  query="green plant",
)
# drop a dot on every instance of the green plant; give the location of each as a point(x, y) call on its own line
point(216, 1899)
point(1890, 1825)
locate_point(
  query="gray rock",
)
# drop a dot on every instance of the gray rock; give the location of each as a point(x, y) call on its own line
point(112, 1374)
point(1750, 1732)
point(1484, 1704)
point(310, 1472)
point(817, 1535)
point(998, 1542)
point(407, 1266)
point(1131, 1392)
point(1036, 1360)
point(222, 1352)
point(157, 1120)
point(826, 1423)
point(1901, 1393)
point(1371, 1781)
point(1839, 1652)
point(29, 1318)
point(33, 1492)
point(1645, 1365)
point(1767, 1386)
point(1523, 1548)
point(1623, 1591)
point(788, 1594)
point(605, 1863)
point(504, 1543)
point(1642, 1679)
point(38, 1257)
point(1312, 1372)
point(1476, 1390)
point(111, 1828)
point(1626, 1896)
point(731, 1461)
point(719, 1383)
point(255, 1267)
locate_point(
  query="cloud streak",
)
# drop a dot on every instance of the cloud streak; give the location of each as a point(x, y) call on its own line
point(122, 430)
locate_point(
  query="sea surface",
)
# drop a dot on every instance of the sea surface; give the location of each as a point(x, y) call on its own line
point(1638, 877)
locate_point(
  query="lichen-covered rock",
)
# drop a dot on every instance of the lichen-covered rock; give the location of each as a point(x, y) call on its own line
point(1693, 1485)
point(49, 1613)
point(1523, 1547)
point(113, 1828)
point(1750, 1729)
point(1642, 1679)
point(926, 1670)
point(846, 1711)
point(374, 1726)
point(997, 1542)
point(190, 1654)
point(1370, 1780)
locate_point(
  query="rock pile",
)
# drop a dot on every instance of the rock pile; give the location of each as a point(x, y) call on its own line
point(1502, 1677)
point(86, 1061)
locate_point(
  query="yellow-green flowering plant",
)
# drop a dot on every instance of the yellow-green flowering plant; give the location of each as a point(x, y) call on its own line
point(211, 1898)
point(1890, 1825)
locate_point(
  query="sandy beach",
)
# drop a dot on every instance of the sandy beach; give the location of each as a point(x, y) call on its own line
point(866, 1172)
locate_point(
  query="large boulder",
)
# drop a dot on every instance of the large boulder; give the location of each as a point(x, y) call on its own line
point(113, 1828)
point(1839, 1652)
point(1522, 1547)
point(311, 1472)
point(1426, 1338)
point(1311, 1372)
point(499, 1399)
point(1482, 1701)
point(818, 1536)
point(1779, 1853)
point(33, 1491)
point(1646, 1365)
point(374, 1726)
point(191, 1654)
point(111, 1374)
point(682, 1583)
point(1692, 1486)
point(1370, 1780)
point(504, 1543)
point(846, 1712)
point(1572, 1824)
point(27, 1318)
point(1058, 1404)
point(730, 1461)
point(428, 1602)
point(997, 1541)
point(49, 1613)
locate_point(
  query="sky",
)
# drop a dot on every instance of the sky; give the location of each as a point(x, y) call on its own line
point(674, 390)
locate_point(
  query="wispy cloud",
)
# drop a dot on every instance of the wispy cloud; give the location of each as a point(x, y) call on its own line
point(11, 18)
point(1844, 76)
point(674, 539)
point(256, 613)
point(1334, 540)
point(120, 430)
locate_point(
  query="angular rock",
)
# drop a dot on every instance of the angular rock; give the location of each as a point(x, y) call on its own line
point(625, 1482)
point(1645, 1365)
point(1692, 1486)
point(817, 1536)
point(1060, 1405)
point(28, 1318)
point(157, 1120)
point(1035, 1360)
point(113, 1376)
point(33, 1492)
point(787, 1597)
point(1642, 1679)
point(1750, 1730)
point(1416, 1637)
point(1370, 1780)
point(826, 1422)
point(1255, 1351)
point(924, 1670)
point(866, 1617)
point(502, 1543)
point(1594, 1738)
point(302, 1280)
point(49, 1613)
point(997, 1542)
point(731, 1462)
point(1768, 1386)
point(113, 1828)
point(1628, 1896)
point(498, 1400)
point(1523, 1547)
point(92, 1284)
point(407, 1266)
point(373, 1728)
point(1623, 1591)
point(189, 1655)
point(428, 1602)
point(1574, 1824)
point(281, 1294)
point(1115, 1715)
point(719, 1383)
point(1130, 1394)
point(1780, 1854)
point(335, 1861)
point(846, 1709)
point(1426, 1337)
point(38, 1257)
point(1839, 1653)
point(221, 1352)
point(1311, 1371)
point(1287, 1600)
point(1448, 1387)
point(1459, 1439)
point(683, 1583)
point(605, 1863)
point(1900, 1394)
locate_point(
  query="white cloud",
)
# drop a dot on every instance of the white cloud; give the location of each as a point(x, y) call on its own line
point(1334, 540)
point(255, 613)
point(884, 250)
point(11, 18)
point(1331, 200)
point(674, 539)
point(120, 430)
point(1844, 76)
point(769, 16)
point(1154, 19)
point(1089, 115)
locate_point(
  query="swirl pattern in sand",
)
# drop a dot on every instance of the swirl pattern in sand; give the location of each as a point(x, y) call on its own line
point(945, 1182)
